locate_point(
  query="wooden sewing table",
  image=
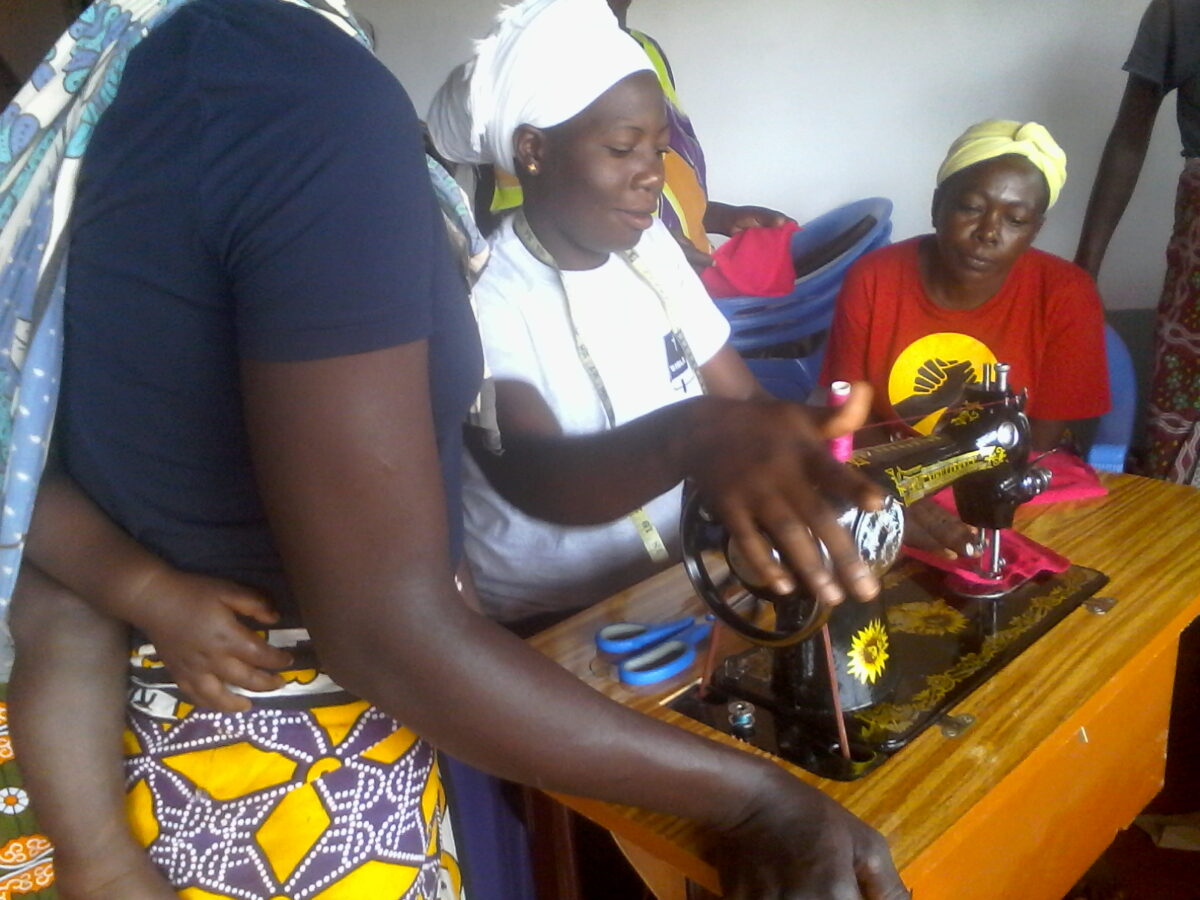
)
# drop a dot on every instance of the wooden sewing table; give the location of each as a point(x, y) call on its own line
point(1069, 742)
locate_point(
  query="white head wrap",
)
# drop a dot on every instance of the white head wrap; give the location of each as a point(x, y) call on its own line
point(544, 62)
point(449, 118)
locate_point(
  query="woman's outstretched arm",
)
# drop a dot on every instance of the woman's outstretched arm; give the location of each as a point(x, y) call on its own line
point(762, 466)
point(345, 454)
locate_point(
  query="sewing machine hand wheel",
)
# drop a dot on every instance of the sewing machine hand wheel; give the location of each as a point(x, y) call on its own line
point(701, 534)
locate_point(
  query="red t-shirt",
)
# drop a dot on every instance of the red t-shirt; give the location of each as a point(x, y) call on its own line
point(1046, 322)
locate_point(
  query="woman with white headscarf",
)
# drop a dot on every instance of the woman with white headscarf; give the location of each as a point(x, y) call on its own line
point(594, 326)
point(589, 313)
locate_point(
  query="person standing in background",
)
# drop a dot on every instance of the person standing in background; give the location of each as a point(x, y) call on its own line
point(1165, 57)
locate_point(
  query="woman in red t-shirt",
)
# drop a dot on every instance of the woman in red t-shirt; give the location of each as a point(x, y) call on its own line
point(919, 319)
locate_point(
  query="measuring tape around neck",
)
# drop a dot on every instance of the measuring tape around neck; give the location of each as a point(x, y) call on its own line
point(651, 539)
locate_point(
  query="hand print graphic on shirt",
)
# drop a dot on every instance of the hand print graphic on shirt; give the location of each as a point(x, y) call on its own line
point(931, 374)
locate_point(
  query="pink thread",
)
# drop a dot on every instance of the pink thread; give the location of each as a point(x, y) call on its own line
point(841, 447)
point(907, 423)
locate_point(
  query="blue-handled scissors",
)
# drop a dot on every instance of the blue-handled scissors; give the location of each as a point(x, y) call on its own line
point(626, 637)
point(658, 651)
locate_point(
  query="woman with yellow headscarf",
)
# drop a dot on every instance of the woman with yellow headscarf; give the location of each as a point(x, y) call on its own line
point(919, 319)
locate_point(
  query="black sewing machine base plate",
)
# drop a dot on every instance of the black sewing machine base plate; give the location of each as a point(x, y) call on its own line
point(943, 645)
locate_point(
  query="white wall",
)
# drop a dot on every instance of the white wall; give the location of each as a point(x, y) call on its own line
point(805, 104)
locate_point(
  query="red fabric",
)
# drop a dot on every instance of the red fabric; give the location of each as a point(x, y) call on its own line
point(756, 262)
point(1047, 322)
point(1023, 559)
point(1073, 479)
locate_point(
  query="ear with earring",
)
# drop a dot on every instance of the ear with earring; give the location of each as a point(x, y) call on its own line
point(531, 168)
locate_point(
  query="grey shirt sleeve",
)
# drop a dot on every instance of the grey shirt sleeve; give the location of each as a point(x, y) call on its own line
point(1166, 52)
point(1152, 56)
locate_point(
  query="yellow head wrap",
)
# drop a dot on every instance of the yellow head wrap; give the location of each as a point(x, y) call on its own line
point(998, 137)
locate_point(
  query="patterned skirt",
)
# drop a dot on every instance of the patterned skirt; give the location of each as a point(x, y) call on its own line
point(1172, 441)
point(303, 798)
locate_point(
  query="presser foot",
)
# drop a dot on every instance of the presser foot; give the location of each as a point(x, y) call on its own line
point(981, 587)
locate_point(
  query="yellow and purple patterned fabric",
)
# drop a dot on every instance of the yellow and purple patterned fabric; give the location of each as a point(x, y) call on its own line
point(333, 802)
point(329, 802)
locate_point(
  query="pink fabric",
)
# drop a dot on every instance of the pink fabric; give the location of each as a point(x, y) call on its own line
point(756, 262)
point(1073, 479)
point(1024, 558)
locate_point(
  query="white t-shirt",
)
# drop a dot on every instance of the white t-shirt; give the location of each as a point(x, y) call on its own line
point(525, 566)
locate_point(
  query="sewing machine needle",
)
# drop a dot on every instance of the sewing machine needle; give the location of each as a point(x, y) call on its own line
point(994, 558)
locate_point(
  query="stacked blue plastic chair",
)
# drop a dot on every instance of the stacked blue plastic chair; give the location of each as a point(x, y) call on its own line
point(759, 323)
point(1115, 428)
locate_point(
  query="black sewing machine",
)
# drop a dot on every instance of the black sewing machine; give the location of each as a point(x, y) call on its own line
point(837, 693)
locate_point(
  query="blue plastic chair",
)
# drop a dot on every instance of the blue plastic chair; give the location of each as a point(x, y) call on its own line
point(788, 379)
point(792, 322)
point(758, 322)
point(1115, 428)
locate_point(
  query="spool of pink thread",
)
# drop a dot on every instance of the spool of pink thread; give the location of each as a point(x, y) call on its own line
point(841, 447)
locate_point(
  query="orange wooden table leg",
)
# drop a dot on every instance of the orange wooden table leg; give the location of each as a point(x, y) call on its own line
point(663, 880)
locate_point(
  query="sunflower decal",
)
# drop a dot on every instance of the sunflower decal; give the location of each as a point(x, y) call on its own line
point(926, 617)
point(868, 653)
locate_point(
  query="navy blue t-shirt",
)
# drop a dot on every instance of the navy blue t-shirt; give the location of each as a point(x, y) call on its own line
point(256, 191)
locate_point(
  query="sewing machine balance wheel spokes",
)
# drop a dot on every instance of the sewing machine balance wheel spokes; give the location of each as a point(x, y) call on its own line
point(704, 539)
